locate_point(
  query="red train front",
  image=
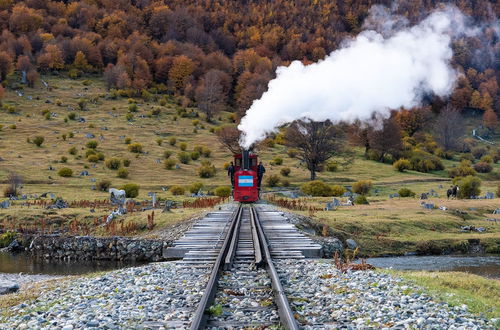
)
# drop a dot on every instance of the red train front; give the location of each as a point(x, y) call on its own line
point(246, 188)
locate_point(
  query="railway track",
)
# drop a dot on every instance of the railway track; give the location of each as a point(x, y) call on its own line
point(244, 277)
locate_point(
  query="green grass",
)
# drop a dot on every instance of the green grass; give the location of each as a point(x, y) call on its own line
point(456, 288)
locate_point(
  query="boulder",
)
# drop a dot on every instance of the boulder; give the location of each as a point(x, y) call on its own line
point(351, 244)
point(8, 287)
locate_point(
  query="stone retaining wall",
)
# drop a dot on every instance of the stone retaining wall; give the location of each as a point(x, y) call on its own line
point(96, 248)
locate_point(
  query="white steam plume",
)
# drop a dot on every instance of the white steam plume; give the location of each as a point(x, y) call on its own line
point(375, 72)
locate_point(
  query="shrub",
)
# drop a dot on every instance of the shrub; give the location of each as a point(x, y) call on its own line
point(285, 183)
point(405, 192)
point(183, 146)
point(177, 190)
point(466, 156)
point(184, 157)
point(338, 190)
point(206, 152)
point(128, 140)
point(361, 199)
point(469, 187)
point(9, 191)
point(159, 141)
point(483, 167)
point(113, 163)
point(362, 187)
point(479, 152)
point(64, 136)
point(93, 158)
point(206, 170)
point(126, 162)
point(122, 173)
point(285, 171)
point(65, 172)
point(487, 159)
point(292, 153)
point(131, 190)
point(7, 238)
point(223, 191)
point(135, 147)
point(103, 185)
point(163, 102)
point(38, 140)
point(92, 144)
point(89, 152)
point(316, 188)
point(170, 163)
point(129, 117)
point(273, 180)
point(167, 154)
point(82, 104)
point(402, 164)
point(13, 126)
point(278, 161)
point(198, 149)
point(422, 161)
point(64, 159)
point(464, 169)
point(71, 135)
point(48, 116)
point(132, 107)
point(332, 166)
point(172, 141)
point(195, 122)
point(195, 155)
point(195, 187)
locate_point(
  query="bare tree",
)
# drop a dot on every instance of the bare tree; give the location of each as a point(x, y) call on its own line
point(210, 94)
point(15, 182)
point(316, 142)
point(449, 128)
point(229, 137)
point(387, 139)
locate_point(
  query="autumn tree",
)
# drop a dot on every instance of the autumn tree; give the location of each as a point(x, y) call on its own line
point(32, 77)
point(229, 137)
point(386, 139)
point(210, 94)
point(449, 128)
point(178, 75)
point(51, 58)
point(490, 120)
point(5, 65)
point(81, 62)
point(316, 142)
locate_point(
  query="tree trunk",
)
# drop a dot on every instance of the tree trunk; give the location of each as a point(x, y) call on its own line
point(313, 174)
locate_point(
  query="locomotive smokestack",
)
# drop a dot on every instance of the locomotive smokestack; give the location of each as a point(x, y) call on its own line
point(245, 159)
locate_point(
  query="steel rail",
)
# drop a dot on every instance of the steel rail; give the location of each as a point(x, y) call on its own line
point(200, 318)
point(256, 240)
point(284, 310)
point(228, 262)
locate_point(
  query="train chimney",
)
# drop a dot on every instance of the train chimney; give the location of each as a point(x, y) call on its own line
point(245, 159)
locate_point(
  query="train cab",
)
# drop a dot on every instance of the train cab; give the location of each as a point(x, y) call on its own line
point(246, 188)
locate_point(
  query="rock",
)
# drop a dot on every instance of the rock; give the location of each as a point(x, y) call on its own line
point(14, 246)
point(58, 204)
point(5, 204)
point(351, 244)
point(8, 287)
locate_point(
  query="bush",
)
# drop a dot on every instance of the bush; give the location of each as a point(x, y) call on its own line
point(292, 153)
point(126, 162)
point(362, 187)
point(38, 140)
point(285, 171)
point(479, 152)
point(172, 141)
point(206, 170)
point(487, 159)
point(65, 172)
point(195, 155)
point(122, 173)
point(206, 152)
point(170, 163)
point(129, 117)
point(483, 167)
point(273, 180)
point(316, 188)
point(405, 192)
point(338, 191)
point(469, 187)
point(198, 149)
point(135, 147)
point(278, 161)
point(466, 156)
point(103, 185)
point(159, 141)
point(131, 190)
point(92, 144)
point(89, 152)
point(177, 190)
point(132, 107)
point(100, 156)
point(195, 187)
point(183, 146)
point(402, 164)
point(113, 163)
point(167, 154)
point(64, 159)
point(422, 161)
point(128, 140)
point(9, 191)
point(464, 169)
point(361, 199)
point(7, 238)
point(223, 191)
point(93, 158)
point(285, 183)
point(332, 166)
point(184, 157)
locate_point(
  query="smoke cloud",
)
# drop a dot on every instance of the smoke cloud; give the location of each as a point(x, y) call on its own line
point(375, 72)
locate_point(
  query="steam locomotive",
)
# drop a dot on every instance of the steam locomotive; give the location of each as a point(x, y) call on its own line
point(246, 188)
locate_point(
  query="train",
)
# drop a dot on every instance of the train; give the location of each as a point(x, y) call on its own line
point(245, 189)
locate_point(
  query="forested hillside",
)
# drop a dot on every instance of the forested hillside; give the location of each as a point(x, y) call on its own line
point(216, 54)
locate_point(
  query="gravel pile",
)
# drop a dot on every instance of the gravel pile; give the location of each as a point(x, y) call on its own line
point(324, 297)
point(161, 294)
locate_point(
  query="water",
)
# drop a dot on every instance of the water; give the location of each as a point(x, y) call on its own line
point(487, 266)
point(24, 263)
